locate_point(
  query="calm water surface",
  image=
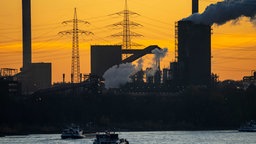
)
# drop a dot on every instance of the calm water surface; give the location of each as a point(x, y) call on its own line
point(169, 137)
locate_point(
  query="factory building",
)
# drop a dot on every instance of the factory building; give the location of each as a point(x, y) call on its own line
point(138, 77)
point(174, 71)
point(9, 86)
point(33, 76)
point(194, 53)
point(166, 73)
point(103, 57)
point(37, 76)
point(249, 80)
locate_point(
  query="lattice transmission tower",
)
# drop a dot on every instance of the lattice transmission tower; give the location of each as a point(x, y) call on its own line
point(75, 65)
point(127, 24)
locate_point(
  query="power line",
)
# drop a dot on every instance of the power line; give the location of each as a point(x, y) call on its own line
point(127, 24)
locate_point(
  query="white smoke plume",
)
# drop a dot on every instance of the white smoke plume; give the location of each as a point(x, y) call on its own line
point(151, 71)
point(159, 54)
point(140, 64)
point(225, 11)
point(118, 75)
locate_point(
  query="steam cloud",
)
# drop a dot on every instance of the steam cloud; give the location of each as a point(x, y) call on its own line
point(120, 74)
point(158, 55)
point(224, 11)
point(140, 64)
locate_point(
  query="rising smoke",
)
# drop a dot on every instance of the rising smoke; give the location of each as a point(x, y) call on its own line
point(140, 64)
point(120, 74)
point(159, 54)
point(225, 11)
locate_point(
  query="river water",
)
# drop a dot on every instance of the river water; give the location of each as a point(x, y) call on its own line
point(168, 137)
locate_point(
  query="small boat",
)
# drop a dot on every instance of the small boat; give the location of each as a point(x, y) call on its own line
point(248, 127)
point(109, 138)
point(72, 133)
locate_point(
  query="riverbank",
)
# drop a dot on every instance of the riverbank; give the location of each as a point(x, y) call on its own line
point(26, 130)
point(191, 109)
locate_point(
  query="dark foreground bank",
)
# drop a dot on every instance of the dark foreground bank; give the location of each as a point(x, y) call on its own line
point(191, 109)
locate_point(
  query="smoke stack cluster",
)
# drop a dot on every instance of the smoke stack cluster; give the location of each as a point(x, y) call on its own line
point(225, 11)
point(120, 74)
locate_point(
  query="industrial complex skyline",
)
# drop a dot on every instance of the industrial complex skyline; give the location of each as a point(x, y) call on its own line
point(233, 44)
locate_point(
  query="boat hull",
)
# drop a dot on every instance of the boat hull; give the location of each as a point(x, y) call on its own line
point(72, 137)
point(247, 130)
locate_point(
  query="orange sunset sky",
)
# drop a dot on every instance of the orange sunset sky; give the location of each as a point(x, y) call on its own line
point(233, 44)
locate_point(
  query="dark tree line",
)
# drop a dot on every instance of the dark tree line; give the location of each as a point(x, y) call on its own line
point(192, 109)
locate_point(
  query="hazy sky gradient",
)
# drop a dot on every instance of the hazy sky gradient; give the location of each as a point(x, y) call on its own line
point(233, 44)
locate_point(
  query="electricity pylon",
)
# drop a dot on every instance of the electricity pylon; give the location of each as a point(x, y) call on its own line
point(127, 24)
point(75, 65)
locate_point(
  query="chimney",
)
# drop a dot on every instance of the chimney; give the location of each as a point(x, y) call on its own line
point(194, 6)
point(26, 32)
point(63, 78)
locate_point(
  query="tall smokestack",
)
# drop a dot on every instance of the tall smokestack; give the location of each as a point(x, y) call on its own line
point(26, 32)
point(194, 6)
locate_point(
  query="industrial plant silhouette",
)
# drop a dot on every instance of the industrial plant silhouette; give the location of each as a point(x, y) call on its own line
point(192, 65)
point(118, 93)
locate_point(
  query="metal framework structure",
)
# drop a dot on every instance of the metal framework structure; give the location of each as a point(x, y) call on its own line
point(176, 42)
point(4, 72)
point(75, 65)
point(138, 53)
point(126, 25)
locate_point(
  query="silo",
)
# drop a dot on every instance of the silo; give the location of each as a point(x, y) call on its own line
point(194, 53)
